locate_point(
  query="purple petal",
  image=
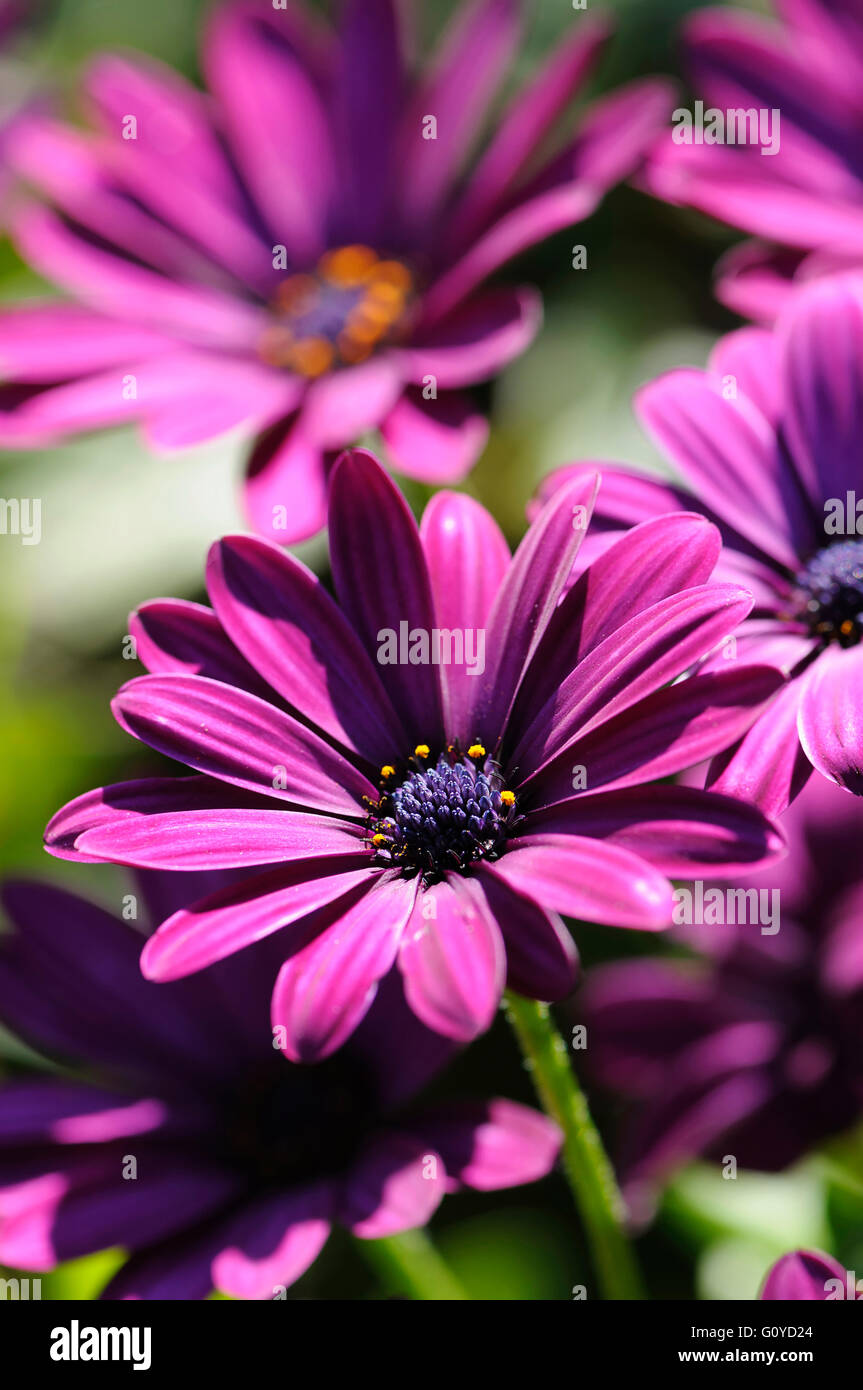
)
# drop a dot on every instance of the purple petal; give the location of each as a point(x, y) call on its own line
point(236, 916)
point(473, 57)
point(276, 121)
point(654, 560)
point(286, 625)
point(527, 598)
point(530, 117)
point(751, 357)
point(68, 1112)
point(804, 1275)
point(674, 728)
point(369, 520)
point(830, 721)
point(285, 493)
point(150, 796)
point(141, 1036)
point(612, 140)
point(648, 651)
point(529, 222)
point(588, 878)
point(51, 342)
point(340, 406)
point(728, 454)
point(467, 557)
point(436, 441)
point(227, 733)
point(369, 93)
point(328, 986)
point(822, 342)
point(172, 634)
point(767, 766)
point(233, 837)
point(679, 830)
point(396, 1184)
point(541, 959)
point(74, 1213)
point(452, 959)
point(272, 1241)
point(493, 1144)
point(477, 340)
point(119, 286)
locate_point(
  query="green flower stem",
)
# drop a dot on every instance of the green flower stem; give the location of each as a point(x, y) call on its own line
point(409, 1263)
point(588, 1171)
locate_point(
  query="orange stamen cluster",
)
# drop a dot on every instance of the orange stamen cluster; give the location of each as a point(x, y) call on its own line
point(339, 314)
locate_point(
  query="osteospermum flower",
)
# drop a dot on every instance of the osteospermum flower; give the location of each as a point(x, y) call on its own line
point(432, 812)
point(768, 443)
point(807, 1276)
point(806, 198)
point(755, 1047)
point(300, 255)
point(189, 1142)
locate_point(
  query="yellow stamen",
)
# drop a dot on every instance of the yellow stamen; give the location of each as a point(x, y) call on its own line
point(508, 798)
point(351, 351)
point(387, 771)
point(476, 750)
point(297, 294)
point(422, 750)
point(846, 628)
point(379, 839)
point(348, 266)
point(393, 273)
point(386, 298)
point(364, 331)
point(313, 356)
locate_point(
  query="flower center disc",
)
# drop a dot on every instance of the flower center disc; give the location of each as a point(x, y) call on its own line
point(442, 817)
point(831, 587)
point(336, 316)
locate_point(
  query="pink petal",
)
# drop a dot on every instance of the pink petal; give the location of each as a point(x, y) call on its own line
point(436, 441)
point(328, 986)
point(396, 1184)
point(588, 878)
point(452, 960)
point(235, 917)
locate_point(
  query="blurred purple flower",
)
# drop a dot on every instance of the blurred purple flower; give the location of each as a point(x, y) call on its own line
point(242, 1162)
point(413, 811)
point(806, 1276)
point(294, 256)
point(768, 441)
point(756, 1049)
point(808, 196)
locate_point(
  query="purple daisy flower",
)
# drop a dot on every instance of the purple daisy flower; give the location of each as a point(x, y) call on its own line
point(417, 805)
point(768, 443)
point(197, 1148)
point(807, 1276)
point(756, 1048)
point(806, 197)
point(300, 255)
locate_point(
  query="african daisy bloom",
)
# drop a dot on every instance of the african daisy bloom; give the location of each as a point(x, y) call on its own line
point(430, 813)
point(807, 1276)
point(805, 199)
point(754, 1048)
point(243, 1162)
point(767, 441)
point(301, 255)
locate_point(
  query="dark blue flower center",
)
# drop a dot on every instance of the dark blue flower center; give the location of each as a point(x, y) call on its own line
point(442, 817)
point(831, 589)
point(339, 313)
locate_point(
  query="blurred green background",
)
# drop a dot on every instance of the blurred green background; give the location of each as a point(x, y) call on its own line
point(120, 526)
